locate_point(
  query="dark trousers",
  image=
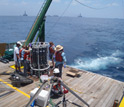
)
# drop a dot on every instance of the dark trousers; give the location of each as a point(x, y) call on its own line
point(60, 69)
point(25, 67)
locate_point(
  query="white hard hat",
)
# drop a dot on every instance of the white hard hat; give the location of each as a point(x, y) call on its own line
point(56, 70)
point(19, 43)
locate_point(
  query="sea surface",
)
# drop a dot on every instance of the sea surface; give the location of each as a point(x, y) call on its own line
point(92, 44)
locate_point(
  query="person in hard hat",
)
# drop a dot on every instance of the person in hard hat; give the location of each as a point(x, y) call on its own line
point(16, 56)
point(56, 72)
point(58, 89)
point(51, 52)
point(60, 59)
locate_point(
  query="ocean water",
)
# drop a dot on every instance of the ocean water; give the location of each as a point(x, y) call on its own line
point(92, 44)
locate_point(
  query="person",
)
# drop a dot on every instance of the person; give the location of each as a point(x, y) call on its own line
point(16, 56)
point(21, 55)
point(27, 60)
point(60, 59)
point(51, 52)
point(24, 52)
point(57, 89)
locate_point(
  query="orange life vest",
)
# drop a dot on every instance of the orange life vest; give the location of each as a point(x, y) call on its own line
point(58, 56)
point(20, 53)
point(57, 87)
point(25, 55)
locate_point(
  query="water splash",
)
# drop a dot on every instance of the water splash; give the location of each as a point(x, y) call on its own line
point(100, 63)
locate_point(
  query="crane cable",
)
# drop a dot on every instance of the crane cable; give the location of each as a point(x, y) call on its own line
point(59, 18)
point(26, 38)
point(92, 7)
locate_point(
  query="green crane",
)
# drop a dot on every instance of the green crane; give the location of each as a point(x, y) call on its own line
point(38, 27)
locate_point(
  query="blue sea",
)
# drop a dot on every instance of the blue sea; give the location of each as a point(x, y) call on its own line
point(92, 44)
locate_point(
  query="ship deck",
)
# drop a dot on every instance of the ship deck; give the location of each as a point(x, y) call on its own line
point(95, 89)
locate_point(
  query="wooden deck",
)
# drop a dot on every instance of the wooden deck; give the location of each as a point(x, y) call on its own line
point(96, 90)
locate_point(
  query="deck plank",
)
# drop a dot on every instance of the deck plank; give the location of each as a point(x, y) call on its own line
point(96, 90)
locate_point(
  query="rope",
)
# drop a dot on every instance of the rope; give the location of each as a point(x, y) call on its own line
point(59, 18)
point(35, 21)
point(31, 29)
point(92, 7)
point(73, 89)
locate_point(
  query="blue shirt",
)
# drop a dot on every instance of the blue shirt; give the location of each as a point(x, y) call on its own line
point(22, 54)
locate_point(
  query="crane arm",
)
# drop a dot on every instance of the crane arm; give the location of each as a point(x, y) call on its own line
point(38, 22)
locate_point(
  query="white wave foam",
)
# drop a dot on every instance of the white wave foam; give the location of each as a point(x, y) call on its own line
point(98, 63)
point(118, 53)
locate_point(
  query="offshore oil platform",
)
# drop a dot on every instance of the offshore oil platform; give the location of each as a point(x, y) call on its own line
point(76, 88)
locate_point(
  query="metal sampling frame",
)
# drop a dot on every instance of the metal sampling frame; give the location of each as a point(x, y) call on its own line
point(39, 56)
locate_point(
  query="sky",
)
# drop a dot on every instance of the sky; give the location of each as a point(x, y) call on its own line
point(71, 8)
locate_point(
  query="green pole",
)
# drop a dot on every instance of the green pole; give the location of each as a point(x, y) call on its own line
point(40, 32)
point(38, 22)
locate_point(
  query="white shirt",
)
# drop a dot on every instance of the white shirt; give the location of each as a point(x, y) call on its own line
point(16, 51)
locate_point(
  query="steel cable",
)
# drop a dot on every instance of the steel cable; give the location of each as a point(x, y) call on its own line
point(59, 18)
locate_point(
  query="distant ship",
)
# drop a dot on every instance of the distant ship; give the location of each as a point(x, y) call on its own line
point(25, 14)
point(80, 15)
point(55, 16)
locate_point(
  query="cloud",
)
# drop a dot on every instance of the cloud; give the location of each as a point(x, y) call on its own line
point(56, 0)
point(112, 4)
point(4, 3)
point(74, 3)
point(24, 3)
point(12, 3)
